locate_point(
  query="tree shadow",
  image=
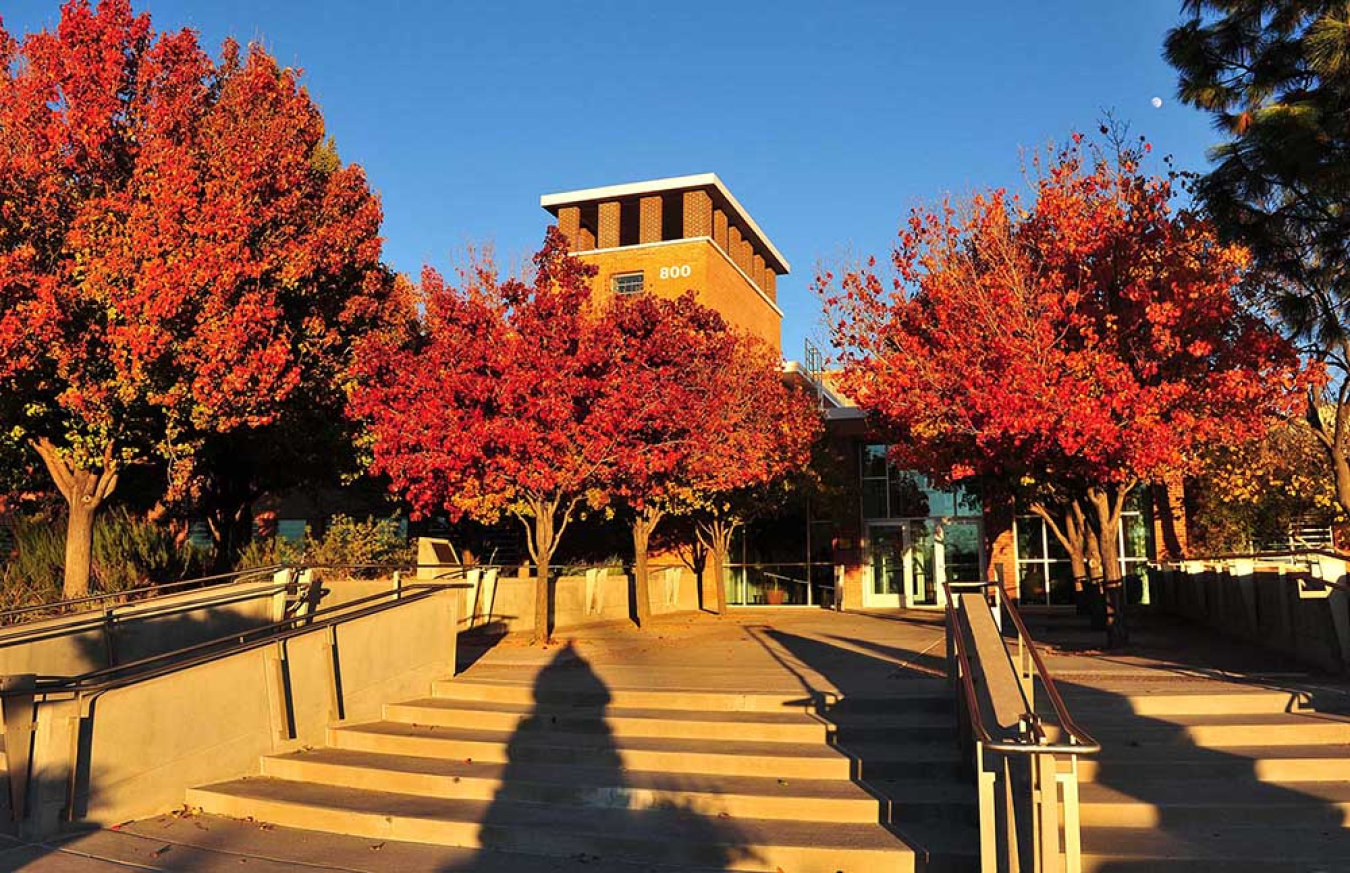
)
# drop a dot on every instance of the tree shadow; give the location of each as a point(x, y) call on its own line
point(897, 742)
point(566, 790)
point(1174, 780)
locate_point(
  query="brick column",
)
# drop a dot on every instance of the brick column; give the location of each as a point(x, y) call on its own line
point(733, 248)
point(649, 219)
point(585, 240)
point(698, 214)
point(1169, 519)
point(1000, 554)
point(757, 274)
point(770, 285)
point(569, 222)
point(745, 255)
point(607, 235)
point(719, 229)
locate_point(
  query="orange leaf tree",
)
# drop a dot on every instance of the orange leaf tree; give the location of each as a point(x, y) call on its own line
point(178, 248)
point(1070, 347)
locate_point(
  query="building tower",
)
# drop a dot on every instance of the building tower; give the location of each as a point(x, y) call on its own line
point(668, 236)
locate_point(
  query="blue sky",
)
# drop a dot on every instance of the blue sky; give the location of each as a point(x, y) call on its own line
point(828, 120)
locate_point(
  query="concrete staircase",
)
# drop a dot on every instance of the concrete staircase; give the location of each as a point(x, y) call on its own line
point(698, 780)
point(1223, 777)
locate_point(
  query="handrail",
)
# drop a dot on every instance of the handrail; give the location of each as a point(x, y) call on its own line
point(93, 681)
point(1080, 742)
point(157, 588)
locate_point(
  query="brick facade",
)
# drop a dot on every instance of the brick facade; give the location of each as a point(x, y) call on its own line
point(698, 214)
point(607, 234)
point(649, 219)
point(569, 222)
point(719, 230)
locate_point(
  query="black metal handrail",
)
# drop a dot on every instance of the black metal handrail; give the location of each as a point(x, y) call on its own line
point(155, 589)
point(106, 678)
point(1080, 742)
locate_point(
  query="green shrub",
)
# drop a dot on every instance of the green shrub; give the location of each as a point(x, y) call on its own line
point(346, 541)
point(129, 552)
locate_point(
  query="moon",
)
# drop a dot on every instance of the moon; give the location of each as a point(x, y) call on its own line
point(1157, 102)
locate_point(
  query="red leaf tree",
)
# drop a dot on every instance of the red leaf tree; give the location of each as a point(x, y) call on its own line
point(689, 390)
point(497, 405)
point(1069, 348)
point(166, 225)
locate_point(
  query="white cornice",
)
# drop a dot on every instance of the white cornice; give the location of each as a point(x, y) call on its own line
point(552, 202)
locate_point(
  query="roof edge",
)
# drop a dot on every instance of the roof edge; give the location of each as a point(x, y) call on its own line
point(552, 202)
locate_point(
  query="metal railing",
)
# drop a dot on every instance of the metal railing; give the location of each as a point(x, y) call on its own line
point(1027, 783)
point(21, 694)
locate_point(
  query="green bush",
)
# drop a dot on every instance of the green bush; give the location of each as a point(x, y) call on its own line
point(129, 552)
point(346, 541)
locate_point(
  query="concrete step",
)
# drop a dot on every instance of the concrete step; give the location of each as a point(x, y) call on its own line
point(1223, 729)
point(1207, 848)
point(793, 726)
point(1164, 805)
point(762, 797)
point(924, 698)
point(675, 755)
point(669, 835)
point(1093, 706)
point(1160, 763)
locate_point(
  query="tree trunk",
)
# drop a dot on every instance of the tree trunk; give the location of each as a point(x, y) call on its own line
point(1107, 505)
point(84, 491)
point(643, 526)
point(79, 549)
point(543, 590)
point(1333, 437)
point(717, 539)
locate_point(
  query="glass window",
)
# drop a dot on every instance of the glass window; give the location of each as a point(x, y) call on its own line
point(628, 283)
point(892, 493)
point(291, 530)
point(1043, 562)
point(874, 462)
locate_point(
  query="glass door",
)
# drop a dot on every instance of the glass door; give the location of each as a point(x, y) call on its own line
point(922, 566)
point(886, 544)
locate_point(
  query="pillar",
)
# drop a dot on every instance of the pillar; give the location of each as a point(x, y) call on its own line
point(770, 286)
point(698, 214)
point(757, 273)
point(585, 240)
point(569, 222)
point(1169, 519)
point(745, 255)
point(733, 248)
point(649, 219)
point(719, 229)
point(607, 234)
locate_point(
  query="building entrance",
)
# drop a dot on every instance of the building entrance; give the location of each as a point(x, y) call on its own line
point(911, 559)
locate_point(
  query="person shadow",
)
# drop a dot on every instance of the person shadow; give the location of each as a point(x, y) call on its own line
point(566, 793)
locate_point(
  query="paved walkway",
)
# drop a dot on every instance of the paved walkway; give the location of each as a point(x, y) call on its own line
point(766, 651)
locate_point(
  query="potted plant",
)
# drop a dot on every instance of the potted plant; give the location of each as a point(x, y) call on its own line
point(774, 596)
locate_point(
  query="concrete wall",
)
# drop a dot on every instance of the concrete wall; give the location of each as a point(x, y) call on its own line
point(504, 600)
point(142, 745)
point(1286, 607)
point(132, 631)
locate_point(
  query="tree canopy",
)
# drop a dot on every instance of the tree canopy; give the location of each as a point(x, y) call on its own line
point(1068, 346)
point(179, 248)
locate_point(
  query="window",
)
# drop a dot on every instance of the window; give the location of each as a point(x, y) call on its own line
point(1043, 569)
point(891, 493)
point(628, 283)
